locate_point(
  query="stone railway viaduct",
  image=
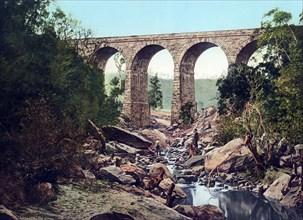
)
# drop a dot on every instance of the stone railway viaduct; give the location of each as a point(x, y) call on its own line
point(238, 46)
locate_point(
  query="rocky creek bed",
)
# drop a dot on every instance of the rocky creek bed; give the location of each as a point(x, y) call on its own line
point(130, 181)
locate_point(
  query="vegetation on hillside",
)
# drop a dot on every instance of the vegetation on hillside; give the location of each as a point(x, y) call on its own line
point(48, 93)
point(266, 99)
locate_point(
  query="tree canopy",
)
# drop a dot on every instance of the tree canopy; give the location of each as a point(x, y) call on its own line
point(275, 86)
point(48, 93)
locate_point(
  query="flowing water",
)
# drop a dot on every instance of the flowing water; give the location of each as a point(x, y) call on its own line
point(237, 205)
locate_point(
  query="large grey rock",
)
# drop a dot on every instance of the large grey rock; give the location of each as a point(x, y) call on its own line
point(123, 148)
point(294, 198)
point(115, 174)
point(194, 160)
point(229, 158)
point(278, 189)
point(202, 212)
point(120, 135)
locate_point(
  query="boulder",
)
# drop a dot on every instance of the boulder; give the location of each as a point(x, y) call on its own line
point(202, 212)
point(278, 189)
point(194, 160)
point(137, 173)
point(294, 198)
point(115, 174)
point(229, 158)
point(7, 214)
point(178, 192)
point(187, 178)
point(123, 148)
point(111, 216)
point(42, 193)
point(155, 135)
point(88, 175)
point(158, 168)
point(120, 135)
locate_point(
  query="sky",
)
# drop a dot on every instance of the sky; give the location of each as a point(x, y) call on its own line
point(126, 18)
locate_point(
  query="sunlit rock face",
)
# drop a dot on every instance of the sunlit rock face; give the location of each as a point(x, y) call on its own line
point(229, 158)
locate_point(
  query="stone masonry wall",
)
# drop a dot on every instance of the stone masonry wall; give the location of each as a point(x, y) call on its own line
point(238, 45)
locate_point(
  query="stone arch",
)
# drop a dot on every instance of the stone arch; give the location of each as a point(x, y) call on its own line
point(246, 52)
point(186, 69)
point(102, 55)
point(140, 112)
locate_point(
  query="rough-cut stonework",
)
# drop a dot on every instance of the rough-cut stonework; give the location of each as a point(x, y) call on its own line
point(185, 49)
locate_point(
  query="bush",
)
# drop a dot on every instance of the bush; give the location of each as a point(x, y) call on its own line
point(186, 113)
point(46, 146)
point(229, 128)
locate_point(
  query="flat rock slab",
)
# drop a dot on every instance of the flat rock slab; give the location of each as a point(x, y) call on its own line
point(120, 135)
point(194, 160)
point(278, 188)
point(229, 158)
point(115, 174)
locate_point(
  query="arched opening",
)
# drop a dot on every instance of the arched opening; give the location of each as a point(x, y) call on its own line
point(140, 111)
point(111, 62)
point(200, 68)
point(162, 65)
point(246, 52)
point(211, 65)
point(257, 57)
point(114, 72)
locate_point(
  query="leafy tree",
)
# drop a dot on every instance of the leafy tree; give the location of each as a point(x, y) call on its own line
point(234, 89)
point(274, 86)
point(186, 114)
point(155, 96)
point(48, 92)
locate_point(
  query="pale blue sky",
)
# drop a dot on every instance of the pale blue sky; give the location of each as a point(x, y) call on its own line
point(118, 18)
point(125, 18)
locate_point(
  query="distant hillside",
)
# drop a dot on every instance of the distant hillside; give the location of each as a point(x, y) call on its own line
point(206, 91)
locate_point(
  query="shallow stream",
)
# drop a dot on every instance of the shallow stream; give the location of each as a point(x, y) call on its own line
point(237, 205)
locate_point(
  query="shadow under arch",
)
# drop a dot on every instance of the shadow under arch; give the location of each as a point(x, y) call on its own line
point(139, 109)
point(246, 52)
point(102, 55)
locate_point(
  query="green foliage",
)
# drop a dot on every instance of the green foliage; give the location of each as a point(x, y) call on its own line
point(46, 146)
point(271, 176)
point(155, 96)
point(186, 114)
point(275, 85)
point(229, 128)
point(48, 91)
point(234, 89)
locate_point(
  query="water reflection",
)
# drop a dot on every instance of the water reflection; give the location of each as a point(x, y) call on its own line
point(247, 206)
point(237, 204)
point(198, 195)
